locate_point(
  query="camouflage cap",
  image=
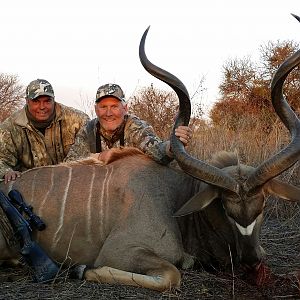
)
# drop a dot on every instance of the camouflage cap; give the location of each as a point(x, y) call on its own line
point(110, 89)
point(39, 87)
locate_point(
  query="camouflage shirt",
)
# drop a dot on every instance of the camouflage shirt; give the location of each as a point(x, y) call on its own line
point(23, 147)
point(136, 133)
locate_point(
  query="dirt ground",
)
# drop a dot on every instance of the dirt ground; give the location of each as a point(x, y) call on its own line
point(280, 239)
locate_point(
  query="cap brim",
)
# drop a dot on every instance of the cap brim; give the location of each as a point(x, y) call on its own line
point(106, 96)
point(43, 94)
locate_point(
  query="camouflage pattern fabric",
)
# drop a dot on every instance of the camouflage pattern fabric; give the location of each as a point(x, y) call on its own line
point(39, 87)
point(7, 231)
point(23, 147)
point(110, 89)
point(137, 133)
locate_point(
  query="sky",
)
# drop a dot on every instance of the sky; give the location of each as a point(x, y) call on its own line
point(79, 45)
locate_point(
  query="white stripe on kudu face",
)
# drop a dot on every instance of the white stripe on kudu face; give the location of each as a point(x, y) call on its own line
point(246, 231)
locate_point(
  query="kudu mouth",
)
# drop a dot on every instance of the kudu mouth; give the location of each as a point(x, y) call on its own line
point(215, 176)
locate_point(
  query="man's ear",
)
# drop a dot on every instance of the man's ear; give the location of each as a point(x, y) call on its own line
point(125, 107)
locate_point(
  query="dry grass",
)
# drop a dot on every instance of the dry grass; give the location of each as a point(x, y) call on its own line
point(254, 145)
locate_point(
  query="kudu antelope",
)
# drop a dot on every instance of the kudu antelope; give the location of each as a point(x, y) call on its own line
point(118, 218)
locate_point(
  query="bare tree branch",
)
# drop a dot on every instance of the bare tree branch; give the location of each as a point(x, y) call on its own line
point(11, 95)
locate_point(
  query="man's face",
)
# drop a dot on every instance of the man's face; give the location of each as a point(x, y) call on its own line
point(110, 112)
point(41, 108)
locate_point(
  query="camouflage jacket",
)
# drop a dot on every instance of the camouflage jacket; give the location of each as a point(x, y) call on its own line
point(137, 133)
point(23, 147)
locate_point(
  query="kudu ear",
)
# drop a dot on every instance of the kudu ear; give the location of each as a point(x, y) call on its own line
point(198, 201)
point(283, 190)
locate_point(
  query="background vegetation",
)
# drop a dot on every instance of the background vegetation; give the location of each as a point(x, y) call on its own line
point(11, 95)
point(241, 120)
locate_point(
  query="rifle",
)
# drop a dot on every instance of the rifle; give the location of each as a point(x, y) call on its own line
point(44, 268)
point(18, 201)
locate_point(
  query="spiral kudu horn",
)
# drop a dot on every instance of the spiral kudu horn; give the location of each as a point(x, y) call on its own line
point(285, 158)
point(189, 164)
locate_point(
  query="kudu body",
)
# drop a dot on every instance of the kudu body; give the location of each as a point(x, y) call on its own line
point(119, 217)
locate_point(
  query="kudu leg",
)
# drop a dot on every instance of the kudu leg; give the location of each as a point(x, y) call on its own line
point(166, 280)
point(160, 275)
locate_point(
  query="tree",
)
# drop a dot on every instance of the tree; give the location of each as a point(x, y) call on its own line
point(156, 107)
point(272, 55)
point(11, 95)
point(159, 108)
point(245, 89)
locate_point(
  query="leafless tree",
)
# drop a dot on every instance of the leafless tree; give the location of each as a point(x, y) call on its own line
point(155, 106)
point(11, 95)
point(159, 108)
